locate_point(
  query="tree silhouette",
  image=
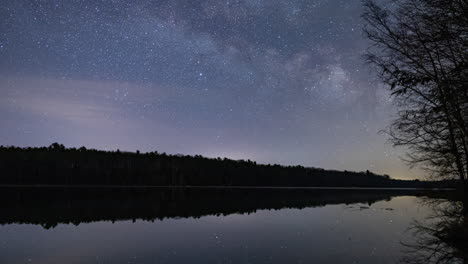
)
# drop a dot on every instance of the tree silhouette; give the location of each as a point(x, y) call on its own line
point(420, 49)
point(57, 165)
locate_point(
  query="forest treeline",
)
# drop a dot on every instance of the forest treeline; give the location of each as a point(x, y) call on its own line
point(49, 206)
point(57, 165)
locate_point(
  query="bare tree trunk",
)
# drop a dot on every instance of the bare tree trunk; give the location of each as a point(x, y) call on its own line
point(453, 142)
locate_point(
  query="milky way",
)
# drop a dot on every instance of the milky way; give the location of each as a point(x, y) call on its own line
point(272, 81)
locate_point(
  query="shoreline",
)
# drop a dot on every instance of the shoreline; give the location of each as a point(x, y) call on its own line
point(221, 187)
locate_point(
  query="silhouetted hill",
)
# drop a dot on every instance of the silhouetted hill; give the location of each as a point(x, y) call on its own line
point(57, 165)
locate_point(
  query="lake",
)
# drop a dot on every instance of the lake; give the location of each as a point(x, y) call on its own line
point(215, 225)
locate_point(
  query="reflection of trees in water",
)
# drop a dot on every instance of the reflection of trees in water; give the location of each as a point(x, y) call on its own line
point(442, 237)
point(51, 206)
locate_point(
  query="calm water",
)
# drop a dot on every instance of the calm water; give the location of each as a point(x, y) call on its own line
point(208, 226)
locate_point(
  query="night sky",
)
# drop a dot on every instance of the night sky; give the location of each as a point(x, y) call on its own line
point(272, 81)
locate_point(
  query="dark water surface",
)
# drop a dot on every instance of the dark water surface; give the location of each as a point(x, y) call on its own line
point(179, 225)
